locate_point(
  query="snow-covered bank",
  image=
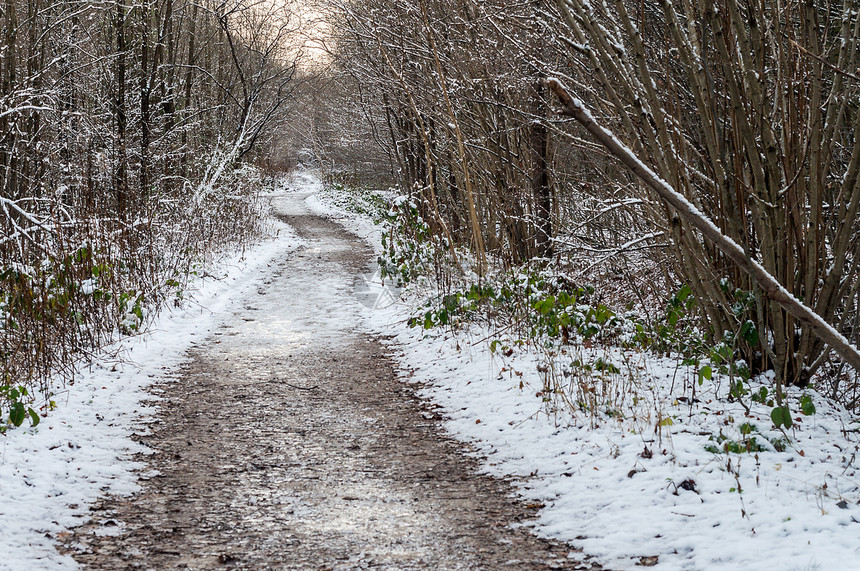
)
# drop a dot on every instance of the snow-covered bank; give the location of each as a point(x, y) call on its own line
point(627, 490)
point(638, 490)
point(644, 489)
point(51, 474)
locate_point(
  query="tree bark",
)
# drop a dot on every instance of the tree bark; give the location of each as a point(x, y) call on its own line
point(769, 285)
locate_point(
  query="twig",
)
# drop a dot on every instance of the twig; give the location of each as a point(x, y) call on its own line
point(770, 286)
point(313, 388)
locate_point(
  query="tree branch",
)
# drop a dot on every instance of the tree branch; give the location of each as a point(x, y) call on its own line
point(771, 288)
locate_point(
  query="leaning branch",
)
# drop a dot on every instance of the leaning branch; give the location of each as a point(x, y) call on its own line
point(771, 288)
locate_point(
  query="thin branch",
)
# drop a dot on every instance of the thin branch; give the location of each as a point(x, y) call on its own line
point(770, 286)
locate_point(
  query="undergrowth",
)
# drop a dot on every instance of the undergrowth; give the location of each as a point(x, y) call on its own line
point(650, 375)
point(94, 281)
point(361, 200)
point(590, 356)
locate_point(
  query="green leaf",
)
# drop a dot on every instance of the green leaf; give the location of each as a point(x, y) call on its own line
point(749, 333)
point(443, 317)
point(17, 413)
point(705, 373)
point(608, 367)
point(781, 416)
point(545, 306)
point(34, 417)
point(747, 428)
point(806, 406)
point(762, 394)
point(450, 303)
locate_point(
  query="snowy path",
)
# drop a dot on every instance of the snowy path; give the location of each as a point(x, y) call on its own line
point(288, 442)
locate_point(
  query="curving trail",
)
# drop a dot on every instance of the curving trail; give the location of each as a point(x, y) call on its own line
point(287, 442)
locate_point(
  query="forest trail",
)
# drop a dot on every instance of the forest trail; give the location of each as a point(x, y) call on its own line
point(287, 442)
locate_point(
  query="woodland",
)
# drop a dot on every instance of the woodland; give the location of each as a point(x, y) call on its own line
point(129, 138)
point(695, 163)
point(688, 169)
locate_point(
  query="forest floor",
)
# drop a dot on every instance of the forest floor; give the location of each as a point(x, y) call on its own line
point(287, 441)
point(285, 417)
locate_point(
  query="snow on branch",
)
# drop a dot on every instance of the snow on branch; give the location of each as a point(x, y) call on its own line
point(770, 286)
point(631, 244)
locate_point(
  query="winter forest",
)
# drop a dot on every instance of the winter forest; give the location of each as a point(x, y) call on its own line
point(748, 110)
point(600, 188)
point(130, 134)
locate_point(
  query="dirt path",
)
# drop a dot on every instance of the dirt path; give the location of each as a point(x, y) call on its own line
point(288, 443)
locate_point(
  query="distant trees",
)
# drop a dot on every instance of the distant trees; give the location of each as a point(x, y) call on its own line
point(749, 109)
point(464, 110)
point(120, 123)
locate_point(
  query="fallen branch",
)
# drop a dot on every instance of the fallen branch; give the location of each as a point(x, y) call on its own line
point(769, 285)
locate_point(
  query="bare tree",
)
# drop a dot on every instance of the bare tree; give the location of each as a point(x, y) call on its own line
point(121, 124)
point(746, 109)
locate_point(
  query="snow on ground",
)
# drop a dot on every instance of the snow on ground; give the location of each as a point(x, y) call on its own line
point(622, 490)
point(642, 489)
point(50, 474)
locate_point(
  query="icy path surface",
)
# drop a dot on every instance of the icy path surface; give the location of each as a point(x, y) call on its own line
point(287, 442)
point(639, 488)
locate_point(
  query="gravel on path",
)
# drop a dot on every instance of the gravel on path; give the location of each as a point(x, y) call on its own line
point(288, 442)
